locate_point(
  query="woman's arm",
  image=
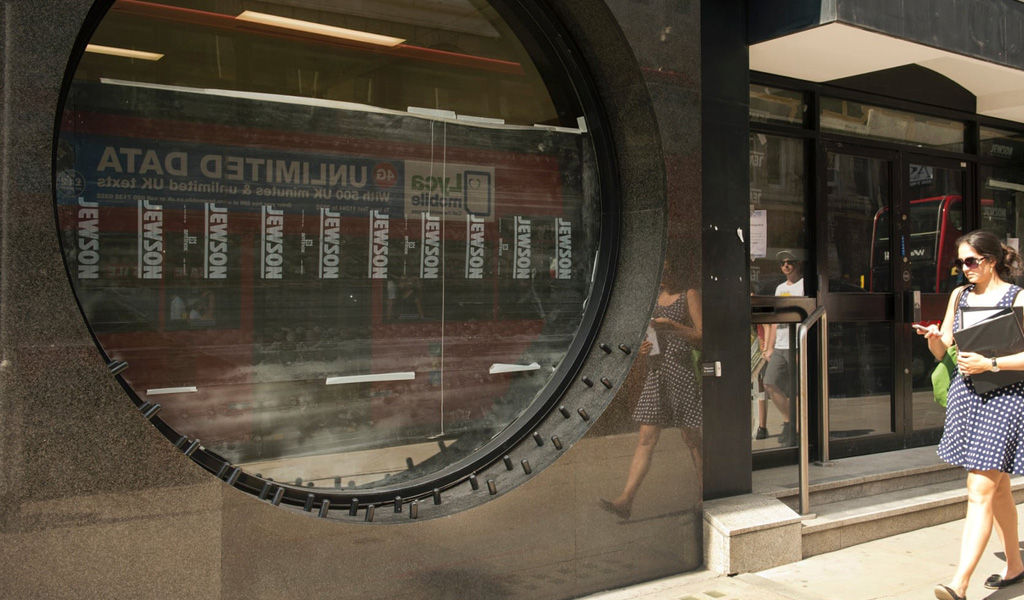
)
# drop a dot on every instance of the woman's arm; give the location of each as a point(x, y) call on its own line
point(972, 363)
point(692, 334)
point(696, 316)
point(941, 338)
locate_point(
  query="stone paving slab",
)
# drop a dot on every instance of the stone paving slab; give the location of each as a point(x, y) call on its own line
point(902, 567)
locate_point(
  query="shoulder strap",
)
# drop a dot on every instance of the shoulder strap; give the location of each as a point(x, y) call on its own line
point(960, 295)
point(1015, 314)
point(956, 307)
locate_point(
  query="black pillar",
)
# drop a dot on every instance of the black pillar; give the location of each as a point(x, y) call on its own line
point(725, 85)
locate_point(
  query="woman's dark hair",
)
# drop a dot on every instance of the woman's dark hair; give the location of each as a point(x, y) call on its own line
point(677, 280)
point(1007, 261)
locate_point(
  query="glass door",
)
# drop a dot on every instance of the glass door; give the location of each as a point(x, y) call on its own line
point(782, 286)
point(860, 249)
point(934, 202)
point(892, 220)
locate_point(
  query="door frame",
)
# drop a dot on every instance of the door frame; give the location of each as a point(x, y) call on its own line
point(933, 304)
point(894, 307)
point(871, 307)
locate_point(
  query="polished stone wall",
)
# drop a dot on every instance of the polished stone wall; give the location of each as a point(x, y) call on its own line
point(95, 503)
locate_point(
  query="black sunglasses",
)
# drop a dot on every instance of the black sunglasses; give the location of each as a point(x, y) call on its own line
point(971, 262)
point(787, 262)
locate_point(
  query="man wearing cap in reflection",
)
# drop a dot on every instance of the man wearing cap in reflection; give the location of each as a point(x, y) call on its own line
point(778, 347)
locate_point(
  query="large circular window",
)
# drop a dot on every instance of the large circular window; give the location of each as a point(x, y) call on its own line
point(335, 247)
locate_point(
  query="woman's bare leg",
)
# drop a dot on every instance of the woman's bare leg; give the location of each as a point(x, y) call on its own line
point(692, 439)
point(1004, 512)
point(648, 439)
point(981, 490)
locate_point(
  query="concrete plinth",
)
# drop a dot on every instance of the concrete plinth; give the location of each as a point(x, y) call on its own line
point(745, 534)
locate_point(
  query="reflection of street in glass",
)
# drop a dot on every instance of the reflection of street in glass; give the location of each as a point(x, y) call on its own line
point(777, 351)
point(349, 469)
point(770, 427)
point(279, 410)
point(405, 298)
point(179, 310)
point(671, 396)
point(757, 393)
point(195, 309)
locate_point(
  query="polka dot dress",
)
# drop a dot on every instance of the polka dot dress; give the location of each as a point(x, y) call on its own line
point(671, 393)
point(984, 431)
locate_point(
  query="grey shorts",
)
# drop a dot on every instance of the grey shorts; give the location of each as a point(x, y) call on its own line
point(778, 371)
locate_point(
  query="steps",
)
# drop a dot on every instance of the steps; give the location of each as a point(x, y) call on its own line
point(854, 521)
point(854, 501)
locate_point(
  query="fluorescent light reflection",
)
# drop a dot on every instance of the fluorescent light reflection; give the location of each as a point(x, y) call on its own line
point(400, 376)
point(320, 29)
point(123, 52)
point(483, 120)
point(258, 96)
point(172, 390)
point(507, 368)
point(334, 104)
point(1005, 185)
point(432, 112)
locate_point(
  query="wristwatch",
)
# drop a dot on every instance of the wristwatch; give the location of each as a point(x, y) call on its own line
point(995, 367)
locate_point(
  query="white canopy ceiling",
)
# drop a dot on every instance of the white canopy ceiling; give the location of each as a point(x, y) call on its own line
point(835, 51)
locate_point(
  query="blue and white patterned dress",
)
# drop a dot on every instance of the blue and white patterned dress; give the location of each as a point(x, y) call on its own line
point(671, 393)
point(984, 431)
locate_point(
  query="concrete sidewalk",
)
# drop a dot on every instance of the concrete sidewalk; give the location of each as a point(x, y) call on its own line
point(901, 567)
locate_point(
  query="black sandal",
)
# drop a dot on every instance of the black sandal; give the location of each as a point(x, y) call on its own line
point(996, 581)
point(621, 513)
point(946, 593)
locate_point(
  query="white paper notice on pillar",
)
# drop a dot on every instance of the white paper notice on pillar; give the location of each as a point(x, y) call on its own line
point(758, 233)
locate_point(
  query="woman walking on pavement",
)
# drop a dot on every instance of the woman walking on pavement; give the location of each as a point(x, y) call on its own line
point(671, 396)
point(984, 433)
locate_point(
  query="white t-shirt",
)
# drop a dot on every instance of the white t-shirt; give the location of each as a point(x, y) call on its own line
point(177, 308)
point(782, 331)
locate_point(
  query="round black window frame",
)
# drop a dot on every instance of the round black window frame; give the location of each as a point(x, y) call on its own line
point(459, 482)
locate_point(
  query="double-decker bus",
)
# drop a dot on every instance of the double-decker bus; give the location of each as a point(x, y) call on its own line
point(935, 225)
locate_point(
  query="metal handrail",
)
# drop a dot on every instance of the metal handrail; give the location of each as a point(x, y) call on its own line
point(801, 343)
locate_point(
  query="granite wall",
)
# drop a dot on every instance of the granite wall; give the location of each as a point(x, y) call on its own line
point(94, 502)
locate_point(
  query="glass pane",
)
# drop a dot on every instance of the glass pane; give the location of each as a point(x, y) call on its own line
point(999, 143)
point(860, 379)
point(936, 221)
point(774, 387)
point(332, 261)
point(927, 414)
point(774, 105)
point(778, 215)
point(858, 224)
point(1002, 202)
point(878, 123)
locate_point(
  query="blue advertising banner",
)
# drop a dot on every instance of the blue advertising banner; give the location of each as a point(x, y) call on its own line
point(119, 169)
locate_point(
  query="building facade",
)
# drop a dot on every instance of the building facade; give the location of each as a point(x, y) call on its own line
point(358, 299)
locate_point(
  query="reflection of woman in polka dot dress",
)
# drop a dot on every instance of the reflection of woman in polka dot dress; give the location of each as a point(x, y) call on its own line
point(671, 394)
point(984, 433)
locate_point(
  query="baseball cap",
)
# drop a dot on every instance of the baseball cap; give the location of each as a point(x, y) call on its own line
point(786, 255)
